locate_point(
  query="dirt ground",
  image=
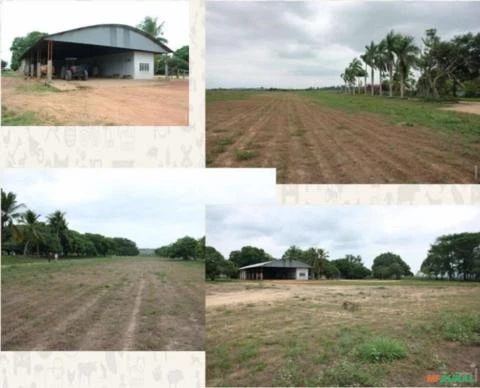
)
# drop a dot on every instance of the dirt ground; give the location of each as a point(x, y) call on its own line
point(256, 331)
point(466, 107)
point(311, 143)
point(102, 101)
point(132, 304)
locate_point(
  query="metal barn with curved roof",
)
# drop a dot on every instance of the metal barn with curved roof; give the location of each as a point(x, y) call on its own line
point(110, 50)
point(276, 269)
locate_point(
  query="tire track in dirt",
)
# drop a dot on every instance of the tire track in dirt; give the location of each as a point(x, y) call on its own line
point(44, 340)
point(25, 329)
point(129, 339)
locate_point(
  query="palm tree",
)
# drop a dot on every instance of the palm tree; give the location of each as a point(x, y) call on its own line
point(31, 231)
point(58, 223)
point(381, 62)
point(150, 26)
point(343, 76)
point(10, 208)
point(364, 59)
point(369, 59)
point(356, 70)
point(406, 53)
point(391, 41)
point(10, 211)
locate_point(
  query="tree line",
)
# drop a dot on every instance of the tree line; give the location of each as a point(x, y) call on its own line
point(444, 66)
point(185, 248)
point(454, 256)
point(24, 233)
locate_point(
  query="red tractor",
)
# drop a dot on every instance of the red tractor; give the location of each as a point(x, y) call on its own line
point(73, 71)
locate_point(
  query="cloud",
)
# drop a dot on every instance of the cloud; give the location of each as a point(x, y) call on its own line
point(361, 230)
point(152, 207)
point(302, 44)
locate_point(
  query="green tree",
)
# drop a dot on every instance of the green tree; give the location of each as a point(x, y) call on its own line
point(369, 59)
point(184, 248)
point(4, 64)
point(213, 262)
point(293, 253)
point(454, 256)
point(249, 255)
point(31, 232)
point(11, 212)
point(183, 54)
point(407, 57)
point(388, 265)
point(59, 225)
point(101, 243)
point(152, 27)
point(355, 69)
point(381, 62)
point(200, 248)
point(391, 41)
point(22, 44)
point(351, 267)
point(125, 247)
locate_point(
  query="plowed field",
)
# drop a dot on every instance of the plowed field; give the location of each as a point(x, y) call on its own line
point(309, 142)
point(103, 304)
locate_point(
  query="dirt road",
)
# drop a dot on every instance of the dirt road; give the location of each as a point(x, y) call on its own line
point(101, 101)
point(132, 304)
point(311, 143)
point(466, 107)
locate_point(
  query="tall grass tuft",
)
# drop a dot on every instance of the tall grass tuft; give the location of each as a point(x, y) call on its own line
point(382, 349)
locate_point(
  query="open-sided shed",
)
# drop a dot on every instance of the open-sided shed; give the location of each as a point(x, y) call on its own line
point(276, 269)
point(108, 50)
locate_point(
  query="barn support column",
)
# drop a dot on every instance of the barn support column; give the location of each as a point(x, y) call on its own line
point(49, 60)
point(32, 67)
point(166, 66)
point(39, 71)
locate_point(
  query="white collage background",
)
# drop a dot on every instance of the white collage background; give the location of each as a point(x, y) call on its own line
point(161, 147)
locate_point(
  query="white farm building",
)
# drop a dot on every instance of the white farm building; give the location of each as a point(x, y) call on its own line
point(105, 50)
point(276, 269)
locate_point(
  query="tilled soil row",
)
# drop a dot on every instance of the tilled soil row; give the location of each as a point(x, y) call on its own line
point(310, 143)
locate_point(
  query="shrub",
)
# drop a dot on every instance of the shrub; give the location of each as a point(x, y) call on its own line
point(381, 349)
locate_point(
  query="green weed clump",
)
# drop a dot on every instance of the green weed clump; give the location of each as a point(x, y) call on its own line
point(244, 154)
point(464, 328)
point(347, 374)
point(382, 349)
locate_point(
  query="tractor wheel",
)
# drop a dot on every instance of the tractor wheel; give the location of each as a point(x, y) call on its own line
point(85, 75)
point(68, 75)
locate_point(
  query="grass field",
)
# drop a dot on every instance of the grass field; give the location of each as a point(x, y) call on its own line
point(322, 137)
point(128, 303)
point(340, 333)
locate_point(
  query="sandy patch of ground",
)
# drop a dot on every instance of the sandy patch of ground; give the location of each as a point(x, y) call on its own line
point(102, 101)
point(466, 107)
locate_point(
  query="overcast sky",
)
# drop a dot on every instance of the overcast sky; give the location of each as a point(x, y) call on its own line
point(302, 44)
point(152, 207)
point(21, 17)
point(358, 230)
